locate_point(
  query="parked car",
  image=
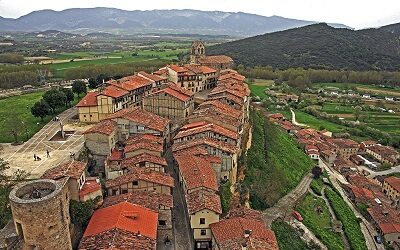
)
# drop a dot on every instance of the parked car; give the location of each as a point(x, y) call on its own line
point(297, 216)
point(378, 239)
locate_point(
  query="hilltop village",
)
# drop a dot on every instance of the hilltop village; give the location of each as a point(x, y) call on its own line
point(160, 147)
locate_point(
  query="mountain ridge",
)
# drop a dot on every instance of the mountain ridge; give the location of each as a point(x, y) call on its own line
point(101, 19)
point(317, 46)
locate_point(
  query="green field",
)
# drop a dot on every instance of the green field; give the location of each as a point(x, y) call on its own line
point(317, 123)
point(270, 174)
point(20, 106)
point(361, 87)
point(97, 58)
point(319, 222)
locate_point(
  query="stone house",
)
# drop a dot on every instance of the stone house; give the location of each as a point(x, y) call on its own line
point(218, 62)
point(391, 187)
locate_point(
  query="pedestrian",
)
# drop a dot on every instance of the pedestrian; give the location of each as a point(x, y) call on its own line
point(34, 156)
point(48, 153)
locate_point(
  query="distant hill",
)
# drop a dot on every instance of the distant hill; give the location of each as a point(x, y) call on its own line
point(118, 21)
point(392, 28)
point(317, 46)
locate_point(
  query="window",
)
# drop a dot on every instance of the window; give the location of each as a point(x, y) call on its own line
point(124, 191)
point(135, 183)
point(202, 220)
point(140, 128)
point(203, 232)
point(162, 222)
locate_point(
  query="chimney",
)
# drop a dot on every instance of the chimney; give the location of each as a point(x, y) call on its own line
point(247, 233)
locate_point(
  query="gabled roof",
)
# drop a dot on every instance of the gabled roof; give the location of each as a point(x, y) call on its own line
point(152, 77)
point(143, 117)
point(130, 83)
point(207, 127)
point(89, 100)
point(206, 141)
point(196, 171)
point(113, 91)
point(175, 91)
point(202, 199)
point(136, 174)
point(230, 234)
point(144, 137)
point(72, 169)
point(126, 216)
point(222, 108)
point(106, 127)
point(215, 59)
point(131, 161)
point(394, 182)
point(152, 146)
point(148, 199)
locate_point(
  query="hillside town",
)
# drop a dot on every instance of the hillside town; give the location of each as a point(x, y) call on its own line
point(159, 147)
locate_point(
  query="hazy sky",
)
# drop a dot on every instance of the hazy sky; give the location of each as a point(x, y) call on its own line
point(354, 13)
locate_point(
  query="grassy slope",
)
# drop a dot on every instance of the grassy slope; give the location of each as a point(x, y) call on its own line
point(316, 123)
point(272, 174)
point(319, 223)
point(20, 106)
point(288, 237)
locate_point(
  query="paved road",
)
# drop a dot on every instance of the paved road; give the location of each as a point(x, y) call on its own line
point(366, 227)
point(182, 236)
point(395, 169)
point(284, 207)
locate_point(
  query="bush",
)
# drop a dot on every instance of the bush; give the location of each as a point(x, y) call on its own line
point(225, 195)
point(351, 225)
point(288, 237)
point(81, 212)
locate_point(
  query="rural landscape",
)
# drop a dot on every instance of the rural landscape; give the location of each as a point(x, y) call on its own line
point(195, 129)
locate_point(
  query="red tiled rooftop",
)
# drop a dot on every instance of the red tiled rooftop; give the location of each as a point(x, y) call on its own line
point(224, 146)
point(152, 77)
point(113, 91)
point(145, 137)
point(89, 100)
point(223, 108)
point(217, 59)
point(106, 127)
point(196, 171)
point(202, 199)
point(73, 169)
point(207, 127)
point(126, 216)
point(151, 146)
point(177, 68)
point(143, 117)
point(211, 114)
point(394, 182)
point(90, 186)
point(176, 92)
point(144, 158)
point(148, 199)
point(140, 174)
point(230, 234)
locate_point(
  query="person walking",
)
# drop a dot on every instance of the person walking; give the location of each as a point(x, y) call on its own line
point(48, 153)
point(34, 157)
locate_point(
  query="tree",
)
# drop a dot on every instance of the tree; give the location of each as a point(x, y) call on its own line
point(81, 212)
point(357, 112)
point(92, 83)
point(54, 98)
point(101, 78)
point(69, 96)
point(14, 126)
point(78, 87)
point(40, 109)
point(316, 171)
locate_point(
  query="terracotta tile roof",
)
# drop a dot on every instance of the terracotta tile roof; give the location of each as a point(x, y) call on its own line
point(130, 83)
point(106, 127)
point(148, 199)
point(145, 137)
point(116, 155)
point(222, 108)
point(246, 213)
point(383, 150)
point(230, 234)
point(141, 174)
point(161, 72)
point(394, 182)
point(386, 218)
point(143, 117)
point(200, 69)
point(369, 142)
point(151, 146)
point(116, 238)
point(360, 192)
point(212, 115)
point(226, 96)
point(196, 171)
point(91, 185)
point(177, 68)
point(132, 161)
point(203, 199)
point(113, 91)
point(175, 91)
point(344, 143)
point(126, 216)
point(152, 77)
point(342, 162)
point(72, 169)
point(207, 127)
point(217, 59)
point(206, 141)
point(89, 100)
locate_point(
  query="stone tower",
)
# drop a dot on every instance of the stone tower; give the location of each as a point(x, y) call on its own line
point(197, 50)
point(40, 211)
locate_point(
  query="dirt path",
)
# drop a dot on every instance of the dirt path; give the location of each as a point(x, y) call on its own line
point(294, 120)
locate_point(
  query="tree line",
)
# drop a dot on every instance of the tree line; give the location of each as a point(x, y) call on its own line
point(301, 78)
point(14, 76)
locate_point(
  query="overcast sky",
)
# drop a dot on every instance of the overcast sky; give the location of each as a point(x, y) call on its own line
point(354, 13)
